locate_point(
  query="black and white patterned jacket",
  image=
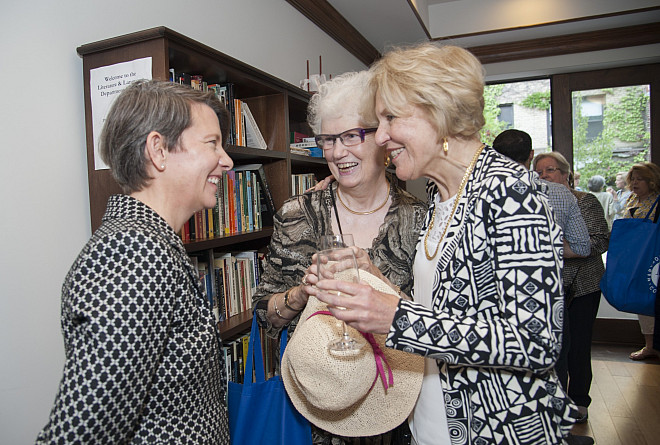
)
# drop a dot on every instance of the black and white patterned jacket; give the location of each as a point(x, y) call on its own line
point(142, 362)
point(495, 326)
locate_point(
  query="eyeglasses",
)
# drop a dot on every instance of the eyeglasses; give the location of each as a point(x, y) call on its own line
point(547, 170)
point(349, 138)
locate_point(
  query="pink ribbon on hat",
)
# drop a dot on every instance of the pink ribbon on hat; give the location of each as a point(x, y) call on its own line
point(379, 356)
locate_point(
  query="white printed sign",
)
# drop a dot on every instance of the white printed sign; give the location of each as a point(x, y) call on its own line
point(106, 83)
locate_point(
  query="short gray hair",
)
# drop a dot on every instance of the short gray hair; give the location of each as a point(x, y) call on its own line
point(596, 183)
point(143, 107)
point(344, 95)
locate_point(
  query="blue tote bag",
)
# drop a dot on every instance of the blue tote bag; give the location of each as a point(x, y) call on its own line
point(630, 282)
point(261, 412)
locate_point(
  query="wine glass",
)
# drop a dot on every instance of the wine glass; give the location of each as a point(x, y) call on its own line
point(340, 264)
point(334, 241)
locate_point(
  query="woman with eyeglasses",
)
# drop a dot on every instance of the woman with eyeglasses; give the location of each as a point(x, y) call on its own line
point(384, 219)
point(581, 286)
point(487, 271)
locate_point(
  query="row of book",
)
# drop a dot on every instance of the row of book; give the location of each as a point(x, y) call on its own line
point(302, 182)
point(244, 131)
point(230, 281)
point(236, 351)
point(302, 144)
point(243, 204)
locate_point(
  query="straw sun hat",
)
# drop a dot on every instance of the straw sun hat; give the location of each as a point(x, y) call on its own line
point(346, 395)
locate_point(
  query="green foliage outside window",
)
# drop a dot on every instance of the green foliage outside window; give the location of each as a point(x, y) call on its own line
point(624, 121)
point(493, 125)
point(539, 100)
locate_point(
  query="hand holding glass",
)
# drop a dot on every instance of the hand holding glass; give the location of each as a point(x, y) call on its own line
point(340, 264)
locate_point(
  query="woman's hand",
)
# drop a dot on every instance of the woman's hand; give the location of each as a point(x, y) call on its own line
point(364, 263)
point(290, 306)
point(321, 185)
point(363, 308)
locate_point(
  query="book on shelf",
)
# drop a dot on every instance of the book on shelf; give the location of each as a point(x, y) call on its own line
point(234, 279)
point(301, 151)
point(296, 136)
point(223, 286)
point(304, 144)
point(235, 351)
point(302, 182)
point(244, 130)
point(253, 136)
point(267, 205)
point(240, 207)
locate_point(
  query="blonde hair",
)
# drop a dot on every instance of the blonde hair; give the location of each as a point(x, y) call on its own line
point(340, 97)
point(447, 82)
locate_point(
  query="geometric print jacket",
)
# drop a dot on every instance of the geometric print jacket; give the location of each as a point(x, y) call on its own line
point(582, 275)
point(143, 362)
point(496, 317)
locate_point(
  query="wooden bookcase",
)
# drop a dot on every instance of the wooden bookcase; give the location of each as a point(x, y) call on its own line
point(278, 108)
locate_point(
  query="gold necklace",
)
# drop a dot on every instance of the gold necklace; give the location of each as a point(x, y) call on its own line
point(387, 197)
point(453, 210)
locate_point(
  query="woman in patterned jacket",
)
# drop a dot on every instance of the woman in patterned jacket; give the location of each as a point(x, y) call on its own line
point(143, 362)
point(384, 220)
point(581, 286)
point(487, 273)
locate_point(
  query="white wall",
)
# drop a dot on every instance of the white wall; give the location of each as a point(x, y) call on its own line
point(43, 176)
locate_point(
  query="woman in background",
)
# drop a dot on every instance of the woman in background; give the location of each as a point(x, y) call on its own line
point(384, 219)
point(581, 286)
point(644, 182)
point(487, 303)
point(596, 186)
point(620, 196)
point(143, 361)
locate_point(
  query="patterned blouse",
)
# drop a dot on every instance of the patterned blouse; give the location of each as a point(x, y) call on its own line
point(496, 321)
point(298, 226)
point(296, 236)
point(638, 209)
point(143, 363)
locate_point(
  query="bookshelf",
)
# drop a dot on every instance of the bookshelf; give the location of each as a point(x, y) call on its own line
point(277, 106)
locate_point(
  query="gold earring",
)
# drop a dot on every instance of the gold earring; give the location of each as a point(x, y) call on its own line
point(445, 145)
point(387, 161)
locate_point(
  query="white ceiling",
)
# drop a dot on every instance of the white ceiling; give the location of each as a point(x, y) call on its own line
point(470, 23)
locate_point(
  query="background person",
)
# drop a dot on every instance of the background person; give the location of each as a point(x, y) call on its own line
point(474, 285)
point(620, 195)
point(143, 361)
point(596, 186)
point(581, 285)
point(644, 182)
point(576, 181)
point(517, 145)
point(384, 219)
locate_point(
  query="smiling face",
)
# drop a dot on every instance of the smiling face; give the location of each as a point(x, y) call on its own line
point(197, 164)
point(548, 169)
point(409, 140)
point(356, 165)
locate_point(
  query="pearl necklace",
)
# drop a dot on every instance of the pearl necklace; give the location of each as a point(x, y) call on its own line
point(387, 197)
point(453, 210)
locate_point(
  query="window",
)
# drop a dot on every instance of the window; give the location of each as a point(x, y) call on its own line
point(506, 115)
point(529, 101)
